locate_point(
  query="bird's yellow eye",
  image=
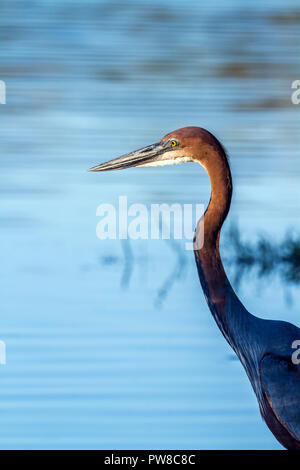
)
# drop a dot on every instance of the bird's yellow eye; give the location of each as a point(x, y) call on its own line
point(173, 143)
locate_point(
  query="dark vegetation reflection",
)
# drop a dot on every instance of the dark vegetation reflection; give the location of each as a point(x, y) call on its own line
point(264, 256)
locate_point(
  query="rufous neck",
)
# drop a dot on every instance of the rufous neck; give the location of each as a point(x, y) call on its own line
point(212, 276)
point(219, 174)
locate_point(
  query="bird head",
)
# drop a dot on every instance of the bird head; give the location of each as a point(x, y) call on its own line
point(187, 144)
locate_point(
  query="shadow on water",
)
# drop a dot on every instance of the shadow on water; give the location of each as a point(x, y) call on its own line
point(263, 258)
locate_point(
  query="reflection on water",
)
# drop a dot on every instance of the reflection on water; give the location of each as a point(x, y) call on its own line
point(266, 256)
point(92, 362)
point(176, 274)
point(126, 264)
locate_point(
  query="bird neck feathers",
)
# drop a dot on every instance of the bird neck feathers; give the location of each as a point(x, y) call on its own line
point(218, 292)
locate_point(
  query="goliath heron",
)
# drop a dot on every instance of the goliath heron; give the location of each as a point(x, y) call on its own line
point(264, 347)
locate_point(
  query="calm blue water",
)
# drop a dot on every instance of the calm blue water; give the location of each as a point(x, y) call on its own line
point(109, 344)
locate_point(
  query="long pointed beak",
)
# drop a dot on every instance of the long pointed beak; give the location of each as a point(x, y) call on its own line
point(137, 158)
